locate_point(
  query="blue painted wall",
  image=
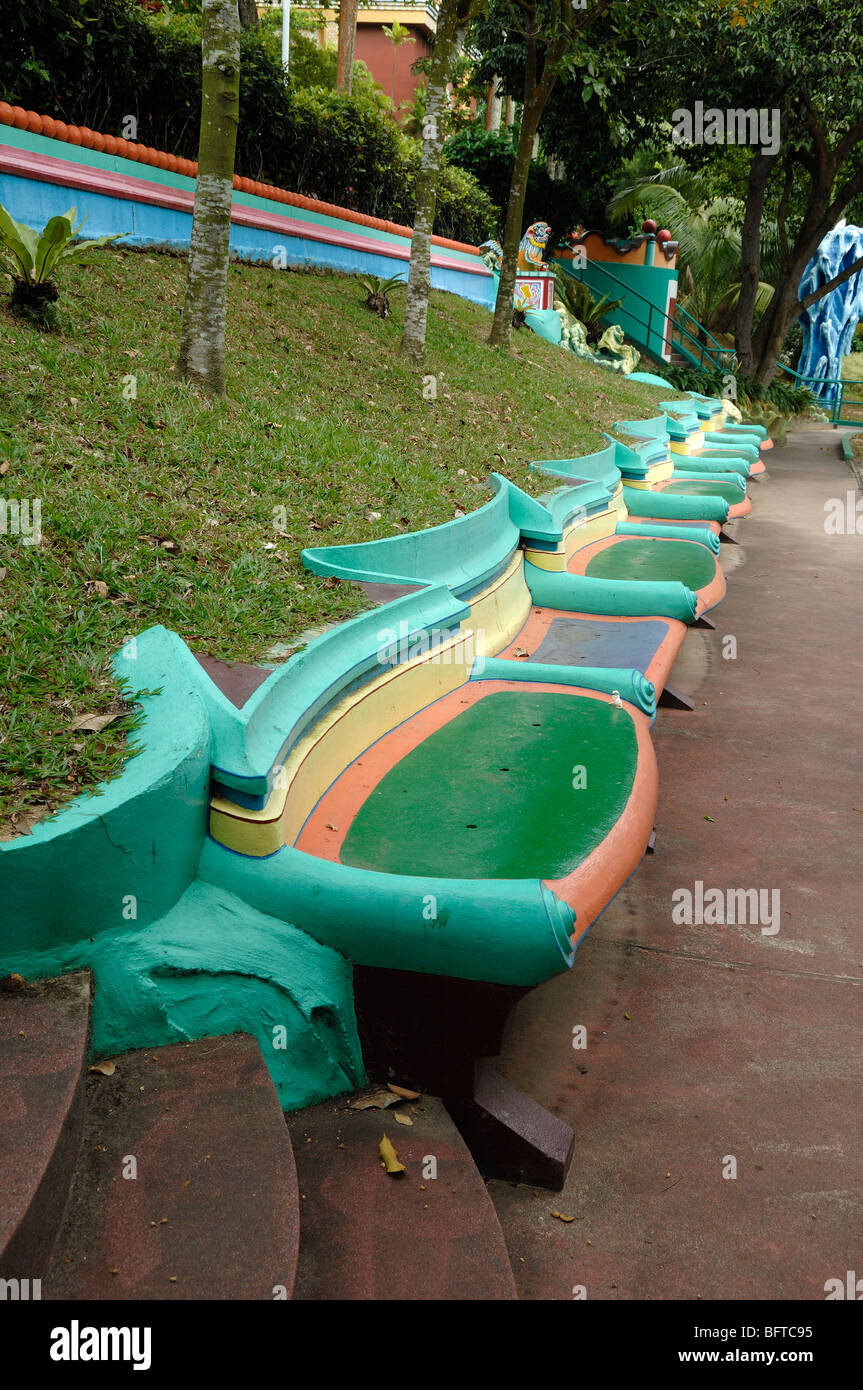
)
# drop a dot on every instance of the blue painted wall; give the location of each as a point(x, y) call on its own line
point(34, 202)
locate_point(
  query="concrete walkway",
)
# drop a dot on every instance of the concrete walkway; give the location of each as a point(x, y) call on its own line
point(712, 1043)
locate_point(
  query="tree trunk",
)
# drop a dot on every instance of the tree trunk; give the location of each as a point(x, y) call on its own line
point(347, 43)
point(750, 257)
point(819, 216)
point(502, 321)
point(449, 42)
point(824, 204)
point(248, 12)
point(202, 347)
point(493, 106)
point(783, 309)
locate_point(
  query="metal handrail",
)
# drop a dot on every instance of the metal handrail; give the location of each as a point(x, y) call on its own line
point(835, 399)
point(719, 358)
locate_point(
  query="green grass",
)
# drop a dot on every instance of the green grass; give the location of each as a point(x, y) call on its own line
point(852, 368)
point(852, 401)
point(161, 509)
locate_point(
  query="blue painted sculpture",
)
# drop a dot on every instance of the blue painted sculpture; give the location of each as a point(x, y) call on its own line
point(829, 324)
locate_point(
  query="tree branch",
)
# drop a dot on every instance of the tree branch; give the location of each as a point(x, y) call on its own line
point(852, 137)
point(831, 284)
point(849, 190)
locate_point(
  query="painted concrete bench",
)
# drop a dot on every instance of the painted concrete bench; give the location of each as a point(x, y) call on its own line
point(646, 466)
point(694, 435)
point(696, 477)
point(715, 417)
point(359, 856)
point(600, 542)
point(739, 450)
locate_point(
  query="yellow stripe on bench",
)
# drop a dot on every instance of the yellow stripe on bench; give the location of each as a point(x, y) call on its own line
point(497, 614)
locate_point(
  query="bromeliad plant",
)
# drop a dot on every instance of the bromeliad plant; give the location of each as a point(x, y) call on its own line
point(32, 258)
point(378, 292)
point(583, 305)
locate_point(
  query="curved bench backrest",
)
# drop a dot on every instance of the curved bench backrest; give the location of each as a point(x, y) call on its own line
point(463, 554)
point(350, 686)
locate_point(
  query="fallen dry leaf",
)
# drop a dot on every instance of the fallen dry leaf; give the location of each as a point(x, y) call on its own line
point(402, 1119)
point(560, 1216)
point(403, 1092)
point(105, 1068)
point(374, 1100)
point(390, 1157)
point(93, 723)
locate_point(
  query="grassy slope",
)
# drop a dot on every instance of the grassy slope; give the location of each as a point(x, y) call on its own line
point(852, 367)
point(160, 509)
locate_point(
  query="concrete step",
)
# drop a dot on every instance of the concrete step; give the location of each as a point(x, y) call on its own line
point(44, 1036)
point(368, 1235)
point(212, 1211)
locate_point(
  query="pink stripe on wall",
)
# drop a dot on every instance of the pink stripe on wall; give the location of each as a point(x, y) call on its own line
point(47, 169)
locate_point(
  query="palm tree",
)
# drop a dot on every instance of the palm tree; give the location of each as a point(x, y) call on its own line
point(707, 227)
point(397, 35)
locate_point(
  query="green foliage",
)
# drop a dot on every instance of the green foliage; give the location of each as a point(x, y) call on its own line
point(781, 393)
point(793, 346)
point(488, 156)
point(412, 112)
point(32, 258)
point(582, 304)
point(373, 284)
point(788, 398)
point(655, 183)
point(397, 33)
point(378, 291)
point(340, 148)
point(465, 212)
point(852, 366)
point(591, 112)
point(310, 64)
point(101, 61)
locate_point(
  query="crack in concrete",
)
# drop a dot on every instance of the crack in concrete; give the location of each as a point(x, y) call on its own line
point(726, 964)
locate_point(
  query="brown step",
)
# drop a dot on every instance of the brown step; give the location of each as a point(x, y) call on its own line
point(369, 1235)
point(213, 1211)
point(44, 1034)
